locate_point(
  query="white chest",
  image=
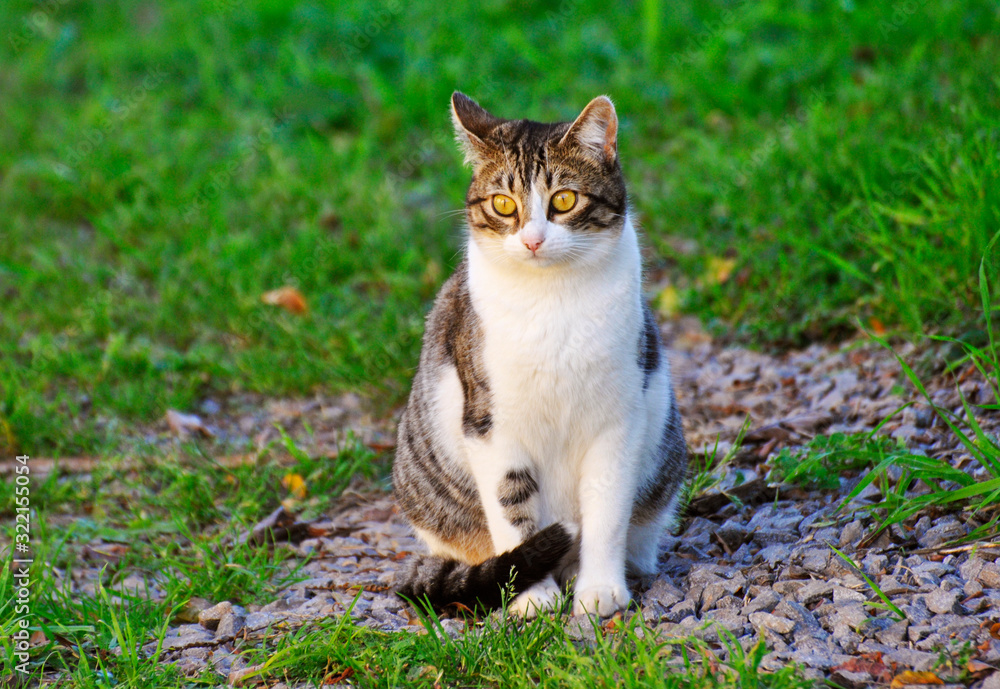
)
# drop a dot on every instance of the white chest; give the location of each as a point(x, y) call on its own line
point(560, 349)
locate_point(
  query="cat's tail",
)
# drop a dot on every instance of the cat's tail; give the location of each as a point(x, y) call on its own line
point(444, 582)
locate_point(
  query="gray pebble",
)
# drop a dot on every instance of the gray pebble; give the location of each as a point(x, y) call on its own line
point(971, 568)
point(766, 620)
point(210, 617)
point(851, 534)
point(989, 575)
point(816, 559)
point(852, 614)
point(814, 591)
point(789, 587)
point(875, 563)
point(764, 602)
point(941, 533)
point(842, 595)
point(871, 627)
point(942, 602)
point(893, 635)
point(680, 611)
point(891, 586)
point(230, 625)
point(663, 592)
point(919, 632)
point(774, 554)
point(257, 621)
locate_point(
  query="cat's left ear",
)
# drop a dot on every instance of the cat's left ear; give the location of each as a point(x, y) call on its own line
point(472, 125)
point(596, 130)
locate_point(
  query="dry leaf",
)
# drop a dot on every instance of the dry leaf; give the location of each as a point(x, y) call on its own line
point(184, 424)
point(613, 623)
point(977, 667)
point(910, 677)
point(296, 485)
point(338, 677)
point(867, 663)
point(110, 553)
point(287, 298)
point(719, 270)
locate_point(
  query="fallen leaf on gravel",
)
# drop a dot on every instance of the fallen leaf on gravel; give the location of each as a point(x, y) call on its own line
point(977, 667)
point(613, 623)
point(287, 298)
point(337, 678)
point(296, 485)
point(110, 553)
point(870, 664)
point(185, 424)
point(910, 677)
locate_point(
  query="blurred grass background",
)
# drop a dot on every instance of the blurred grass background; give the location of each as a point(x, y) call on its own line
point(796, 166)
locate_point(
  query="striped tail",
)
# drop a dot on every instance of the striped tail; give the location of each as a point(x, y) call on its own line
point(444, 582)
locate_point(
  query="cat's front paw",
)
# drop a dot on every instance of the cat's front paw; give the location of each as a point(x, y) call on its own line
point(541, 597)
point(601, 600)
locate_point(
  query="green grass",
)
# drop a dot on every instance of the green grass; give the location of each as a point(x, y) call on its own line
point(896, 470)
point(158, 173)
point(174, 522)
point(493, 653)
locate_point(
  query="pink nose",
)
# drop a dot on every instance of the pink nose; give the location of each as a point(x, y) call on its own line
point(533, 244)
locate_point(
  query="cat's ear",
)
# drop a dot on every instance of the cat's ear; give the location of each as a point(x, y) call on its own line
point(472, 126)
point(596, 130)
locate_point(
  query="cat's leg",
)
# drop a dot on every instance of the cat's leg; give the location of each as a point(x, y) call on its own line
point(643, 554)
point(509, 491)
point(607, 487)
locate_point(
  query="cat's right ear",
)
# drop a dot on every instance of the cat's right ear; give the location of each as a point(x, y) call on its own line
point(472, 126)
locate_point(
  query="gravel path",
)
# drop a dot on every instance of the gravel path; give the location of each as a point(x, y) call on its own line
point(762, 568)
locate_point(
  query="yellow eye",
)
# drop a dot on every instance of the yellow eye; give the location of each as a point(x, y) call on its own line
point(564, 200)
point(504, 205)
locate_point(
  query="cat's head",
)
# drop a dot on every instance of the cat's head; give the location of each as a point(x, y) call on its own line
point(543, 194)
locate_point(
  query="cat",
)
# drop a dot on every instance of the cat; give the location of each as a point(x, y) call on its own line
point(541, 433)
